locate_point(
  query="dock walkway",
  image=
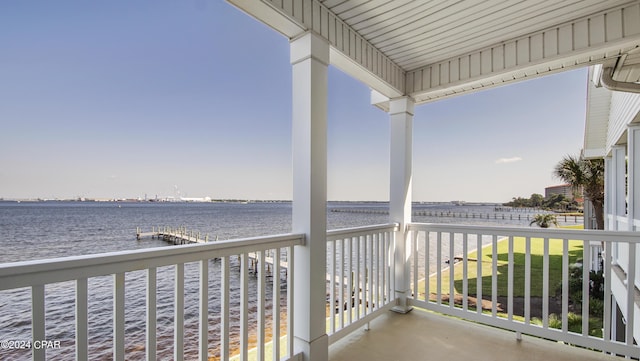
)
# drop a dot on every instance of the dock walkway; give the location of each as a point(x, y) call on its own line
point(181, 235)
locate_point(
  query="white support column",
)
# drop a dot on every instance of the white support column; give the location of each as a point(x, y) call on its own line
point(633, 169)
point(401, 130)
point(608, 194)
point(310, 59)
point(619, 182)
point(617, 190)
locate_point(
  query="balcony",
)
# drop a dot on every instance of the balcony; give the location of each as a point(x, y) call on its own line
point(523, 276)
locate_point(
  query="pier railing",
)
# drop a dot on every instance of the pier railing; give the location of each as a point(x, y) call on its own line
point(360, 276)
point(531, 281)
point(200, 259)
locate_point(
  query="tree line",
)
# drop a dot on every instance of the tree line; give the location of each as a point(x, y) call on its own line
point(555, 202)
point(582, 174)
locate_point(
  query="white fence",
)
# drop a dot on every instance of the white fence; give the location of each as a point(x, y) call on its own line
point(527, 268)
point(38, 276)
point(360, 276)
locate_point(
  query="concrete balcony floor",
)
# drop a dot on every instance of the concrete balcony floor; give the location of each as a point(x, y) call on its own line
point(422, 335)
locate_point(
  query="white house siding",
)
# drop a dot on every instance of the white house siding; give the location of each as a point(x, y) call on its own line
point(624, 111)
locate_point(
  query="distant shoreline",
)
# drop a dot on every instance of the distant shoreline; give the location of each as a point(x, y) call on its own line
point(231, 200)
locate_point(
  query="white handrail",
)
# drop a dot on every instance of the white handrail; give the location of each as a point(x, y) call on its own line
point(39, 272)
point(357, 231)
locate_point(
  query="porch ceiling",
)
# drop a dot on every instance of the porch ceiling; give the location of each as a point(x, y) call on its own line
point(430, 49)
point(415, 34)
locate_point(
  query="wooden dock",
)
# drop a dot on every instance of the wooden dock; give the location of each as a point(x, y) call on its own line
point(181, 235)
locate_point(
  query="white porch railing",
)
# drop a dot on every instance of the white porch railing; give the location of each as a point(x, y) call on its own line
point(360, 276)
point(528, 266)
point(235, 318)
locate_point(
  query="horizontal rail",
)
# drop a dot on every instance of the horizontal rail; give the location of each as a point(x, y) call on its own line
point(357, 231)
point(587, 234)
point(40, 272)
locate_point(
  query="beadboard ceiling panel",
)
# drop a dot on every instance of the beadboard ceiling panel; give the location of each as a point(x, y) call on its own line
point(418, 33)
point(433, 49)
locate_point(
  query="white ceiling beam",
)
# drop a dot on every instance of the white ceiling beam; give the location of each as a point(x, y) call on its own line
point(350, 52)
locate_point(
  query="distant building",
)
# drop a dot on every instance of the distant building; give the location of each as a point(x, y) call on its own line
point(564, 189)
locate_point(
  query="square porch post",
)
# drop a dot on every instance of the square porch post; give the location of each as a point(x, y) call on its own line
point(617, 187)
point(401, 134)
point(633, 211)
point(309, 60)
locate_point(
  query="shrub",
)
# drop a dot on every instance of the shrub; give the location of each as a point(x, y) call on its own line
point(596, 307)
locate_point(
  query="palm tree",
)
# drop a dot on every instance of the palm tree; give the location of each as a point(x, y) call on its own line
point(587, 174)
point(544, 220)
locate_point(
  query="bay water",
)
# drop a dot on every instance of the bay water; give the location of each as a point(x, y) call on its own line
point(43, 230)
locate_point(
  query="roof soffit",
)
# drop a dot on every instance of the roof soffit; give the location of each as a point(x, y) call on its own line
point(431, 49)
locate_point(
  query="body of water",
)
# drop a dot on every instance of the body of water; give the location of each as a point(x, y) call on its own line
point(41, 230)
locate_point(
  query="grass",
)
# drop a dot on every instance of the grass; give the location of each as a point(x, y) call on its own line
point(502, 254)
point(502, 257)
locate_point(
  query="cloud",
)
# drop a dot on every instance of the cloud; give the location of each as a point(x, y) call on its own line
point(508, 160)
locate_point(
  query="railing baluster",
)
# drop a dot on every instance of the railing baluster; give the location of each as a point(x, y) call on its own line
point(332, 287)
point(415, 260)
point(118, 317)
point(178, 320)
point(494, 276)
point(631, 275)
point(82, 330)
point(378, 273)
point(586, 261)
point(427, 266)
point(607, 259)
point(527, 281)
point(545, 283)
point(369, 284)
point(343, 265)
point(465, 272)
point(479, 274)
point(565, 285)
point(290, 305)
point(385, 268)
point(452, 289)
point(151, 344)
point(510, 270)
point(275, 309)
point(224, 308)
point(203, 340)
point(439, 269)
point(350, 285)
point(354, 283)
point(244, 306)
point(37, 320)
point(364, 276)
point(261, 304)
point(392, 261)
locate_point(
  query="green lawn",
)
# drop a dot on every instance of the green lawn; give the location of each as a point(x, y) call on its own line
point(555, 268)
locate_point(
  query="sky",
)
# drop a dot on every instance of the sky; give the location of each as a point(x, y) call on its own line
point(122, 99)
